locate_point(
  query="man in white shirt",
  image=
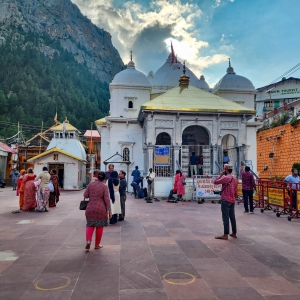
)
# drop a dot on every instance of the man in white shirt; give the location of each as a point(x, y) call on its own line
point(150, 180)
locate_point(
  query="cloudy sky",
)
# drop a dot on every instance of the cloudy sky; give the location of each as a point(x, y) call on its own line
point(260, 36)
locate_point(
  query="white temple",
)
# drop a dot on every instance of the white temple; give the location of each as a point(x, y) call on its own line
point(159, 120)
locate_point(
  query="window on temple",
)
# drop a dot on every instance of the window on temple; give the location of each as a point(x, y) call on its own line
point(55, 156)
point(126, 154)
point(130, 104)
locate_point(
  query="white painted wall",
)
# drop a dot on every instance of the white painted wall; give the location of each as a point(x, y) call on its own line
point(245, 99)
point(72, 169)
point(119, 101)
point(252, 146)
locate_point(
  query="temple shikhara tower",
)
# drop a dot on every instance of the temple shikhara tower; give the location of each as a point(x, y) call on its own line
point(160, 120)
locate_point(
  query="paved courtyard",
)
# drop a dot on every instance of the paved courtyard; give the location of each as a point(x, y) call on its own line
point(161, 251)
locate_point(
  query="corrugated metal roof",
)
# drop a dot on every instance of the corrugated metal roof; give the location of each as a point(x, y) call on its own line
point(6, 148)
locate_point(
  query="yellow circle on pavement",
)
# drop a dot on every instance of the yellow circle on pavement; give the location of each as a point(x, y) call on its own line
point(193, 278)
point(36, 285)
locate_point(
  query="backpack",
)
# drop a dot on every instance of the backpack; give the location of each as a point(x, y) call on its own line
point(145, 192)
point(141, 193)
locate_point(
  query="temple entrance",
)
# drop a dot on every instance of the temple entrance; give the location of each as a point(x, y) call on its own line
point(195, 151)
point(229, 151)
point(59, 168)
point(163, 139)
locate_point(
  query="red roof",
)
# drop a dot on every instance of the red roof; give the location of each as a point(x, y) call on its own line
point(7, 148)
point(92, 133)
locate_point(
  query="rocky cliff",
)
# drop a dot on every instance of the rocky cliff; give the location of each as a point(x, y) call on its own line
point(61, 20)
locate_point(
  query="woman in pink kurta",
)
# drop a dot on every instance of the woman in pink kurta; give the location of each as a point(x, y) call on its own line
point(29, 203)
point(97, 210)
point(180, 180)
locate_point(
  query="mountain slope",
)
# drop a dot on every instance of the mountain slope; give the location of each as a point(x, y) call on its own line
point(62, 21)
point(52, 58)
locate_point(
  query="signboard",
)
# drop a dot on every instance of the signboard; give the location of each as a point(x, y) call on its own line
point(239, 189)
point(276, 196)
point(206, 187)
point(162, 156)
point(298, 199)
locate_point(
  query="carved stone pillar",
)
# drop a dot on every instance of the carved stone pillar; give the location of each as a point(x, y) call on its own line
point(150, 157)
point(215, 168)
point(176, 158)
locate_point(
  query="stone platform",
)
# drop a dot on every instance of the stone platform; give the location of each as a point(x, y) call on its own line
point(161, 251)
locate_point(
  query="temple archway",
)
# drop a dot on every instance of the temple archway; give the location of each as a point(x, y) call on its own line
point(229, 149)
point(196, 143)
point(163, 139)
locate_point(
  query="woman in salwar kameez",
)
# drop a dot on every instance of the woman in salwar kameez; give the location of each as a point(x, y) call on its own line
point(113, 188)
point(97, 210)
point(43, 192)
point(20, 188)
point(54, 196)
point(29, 203)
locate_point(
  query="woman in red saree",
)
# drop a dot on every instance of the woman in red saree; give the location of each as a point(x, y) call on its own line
point(29, 203)
point(20, 188)
point(54, 196)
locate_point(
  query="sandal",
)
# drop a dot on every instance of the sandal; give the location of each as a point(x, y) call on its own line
point(88, 246)
point(98, 247)
point(233, 235)
point(221, 237)
point(15, 212)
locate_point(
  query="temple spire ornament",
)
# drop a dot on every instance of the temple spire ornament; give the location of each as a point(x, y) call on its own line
point(230, 69)
point(184, 79)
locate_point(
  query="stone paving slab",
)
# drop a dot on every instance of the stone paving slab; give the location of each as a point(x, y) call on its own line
point(162, 251)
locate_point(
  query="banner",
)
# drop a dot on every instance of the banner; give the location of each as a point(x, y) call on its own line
point(206, 188)
point(276, 196)
point(162, 156)
point(239, 189)
point(298, 199)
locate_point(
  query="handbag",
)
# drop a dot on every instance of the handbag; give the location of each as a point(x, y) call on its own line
point(149, 181)
point(83, 204)
point(183, 181)
point(51, 186)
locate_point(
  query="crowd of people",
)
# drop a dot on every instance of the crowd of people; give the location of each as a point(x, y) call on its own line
point(36, 192)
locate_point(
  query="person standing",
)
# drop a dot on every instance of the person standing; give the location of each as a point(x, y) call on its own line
point(136, 173)
point(293, 181)
point(54, 196)
point(95, 174)
point(193, 164)
point(150, 180)
point(248, 185)
point(113, 188)
point(98, 210)
point(111, 168)
point(14, 174)
point(29, 203)
point(226, 158)
point(122, 191)
point(20, 188)
point(201, 164)
point(228, 197)
point(180, 180)
point(43, 192)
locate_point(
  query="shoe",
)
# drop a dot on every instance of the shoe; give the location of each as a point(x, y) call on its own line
point(149, 201)
point(88, 246)
point(157, 200)
point(120, 220)
point(251, 212)
point(98, 247)
point(246, 212)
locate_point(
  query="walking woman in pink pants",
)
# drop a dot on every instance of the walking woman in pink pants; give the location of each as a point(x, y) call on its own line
point(98, 210)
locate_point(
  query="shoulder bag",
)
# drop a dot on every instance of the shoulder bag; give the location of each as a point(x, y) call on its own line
point(228, 184)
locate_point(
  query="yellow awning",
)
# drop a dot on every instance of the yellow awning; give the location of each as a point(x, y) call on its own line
point(101, 121)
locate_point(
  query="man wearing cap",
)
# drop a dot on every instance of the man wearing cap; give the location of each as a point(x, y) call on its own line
point(228, 197)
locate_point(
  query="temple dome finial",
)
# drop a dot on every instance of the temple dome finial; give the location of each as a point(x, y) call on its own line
point(131, 64)
point(184, 79)
point(230, 69)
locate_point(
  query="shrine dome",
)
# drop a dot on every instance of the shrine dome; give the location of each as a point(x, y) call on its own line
point(233, 82)
point(130, 77)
